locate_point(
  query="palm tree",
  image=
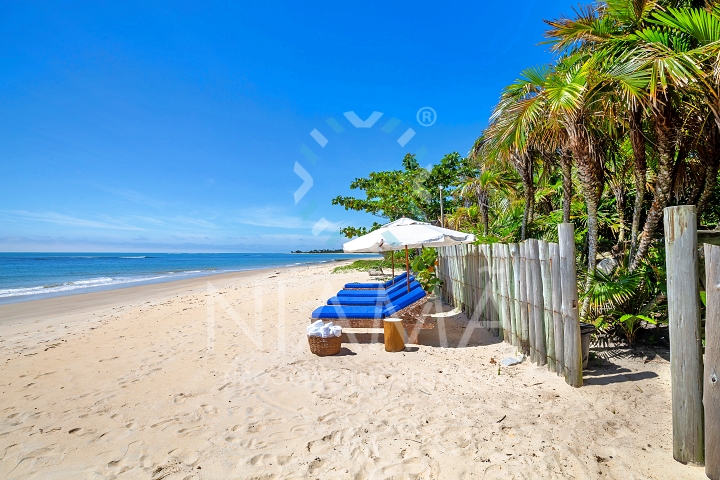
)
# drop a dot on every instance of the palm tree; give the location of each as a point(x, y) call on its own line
point(641, 64)
point(480, 185)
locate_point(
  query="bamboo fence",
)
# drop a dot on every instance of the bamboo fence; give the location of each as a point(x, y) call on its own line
point(524, 293)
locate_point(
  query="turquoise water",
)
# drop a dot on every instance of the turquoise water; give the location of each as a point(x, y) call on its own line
point(28, 276)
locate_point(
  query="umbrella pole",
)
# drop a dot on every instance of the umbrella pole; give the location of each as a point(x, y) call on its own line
point(407, 268)
point(393, 265)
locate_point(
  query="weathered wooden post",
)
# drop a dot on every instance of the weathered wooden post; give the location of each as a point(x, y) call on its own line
point(537, 300)
point(514, 263)
point(571, 319)
point(530, 299)
point(557, 308)
point(507, 322)
point(711, 392)
point(495, 324)
point(522, 284)
point(686, 369)
point(547, 304)
point(510, 294)
point(481, 277)
point(474, 270)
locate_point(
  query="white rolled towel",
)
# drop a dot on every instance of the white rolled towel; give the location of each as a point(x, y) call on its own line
point(326, 331)
point(337, 331)
point(314, 330)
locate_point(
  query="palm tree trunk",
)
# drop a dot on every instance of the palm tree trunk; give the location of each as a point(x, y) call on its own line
point(709, 152)
point(591, 176)
point(620, 200)
point(665, 132)
point(710, 183)
point(637, 139)
point(482, 199)
point(523, 165)
point(566, 165)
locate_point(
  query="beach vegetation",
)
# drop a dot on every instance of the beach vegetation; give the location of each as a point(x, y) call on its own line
point(624, 122)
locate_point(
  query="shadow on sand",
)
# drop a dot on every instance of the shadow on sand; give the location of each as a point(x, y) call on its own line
point(452, 330)
point(603, 372)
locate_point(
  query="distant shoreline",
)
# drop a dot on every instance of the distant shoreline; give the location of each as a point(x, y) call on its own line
point(127, 271)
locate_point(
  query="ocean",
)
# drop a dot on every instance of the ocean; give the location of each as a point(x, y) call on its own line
point(29, 276)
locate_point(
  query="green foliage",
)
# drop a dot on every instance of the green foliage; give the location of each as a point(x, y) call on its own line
point(424, 267)
point(623, 123)
point(411, 192)
point(361, 265)
point(625, 301)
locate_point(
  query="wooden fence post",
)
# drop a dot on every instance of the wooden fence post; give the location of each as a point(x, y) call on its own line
point(557, 308)
point(483, 287)
point(547, 304)
point(711, 391)
point(530, 299)
point(494, 324)
point(537, 301)
point(571, 320)
point(686, 370)
point(514, 249)
point(524, 315)
point(476, 281)
point(510, 294)
point(505, 293)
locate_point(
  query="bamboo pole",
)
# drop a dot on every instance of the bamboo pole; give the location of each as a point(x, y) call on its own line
point(509, 288)
point(548, 323)
point(530, 299)
point(557, 308)
point(488, 288)
point(686, 369)
point(481, 286)
point(466, 280)
point(471, 279)
point(496, 295)
point(711, 391)
point(502, 293)
point(493, 296)
point(514, 249)
point(524, 313)
point(485, 292)
point(537, 302)
point(571, 319)
point(496, 326)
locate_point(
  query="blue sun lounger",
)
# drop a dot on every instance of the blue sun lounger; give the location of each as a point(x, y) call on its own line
point(373, 300)
point(407, 306)
point(376, 292)
point(376, 285)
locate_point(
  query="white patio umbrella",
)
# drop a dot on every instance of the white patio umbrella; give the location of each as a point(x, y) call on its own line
point(406, 233)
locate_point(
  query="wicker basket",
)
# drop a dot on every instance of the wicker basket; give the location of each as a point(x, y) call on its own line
point(324, 346)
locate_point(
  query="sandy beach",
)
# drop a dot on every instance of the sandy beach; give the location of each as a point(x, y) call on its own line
point(212, 378)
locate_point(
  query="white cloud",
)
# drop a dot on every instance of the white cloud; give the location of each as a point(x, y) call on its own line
point(104, 222)
point(277, 218)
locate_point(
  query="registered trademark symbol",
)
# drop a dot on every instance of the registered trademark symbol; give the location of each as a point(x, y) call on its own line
point(426, 116)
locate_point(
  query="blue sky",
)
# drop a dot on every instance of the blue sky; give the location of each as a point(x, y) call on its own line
point(177, 126)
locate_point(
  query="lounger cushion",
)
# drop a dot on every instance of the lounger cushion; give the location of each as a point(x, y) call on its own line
point(376, 292)
point(404, 301)
point(376, 285)
point(353, 311)
point(347, 311)
point(376, 301)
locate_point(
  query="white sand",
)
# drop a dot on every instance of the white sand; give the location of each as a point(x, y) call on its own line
point(163, 381)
